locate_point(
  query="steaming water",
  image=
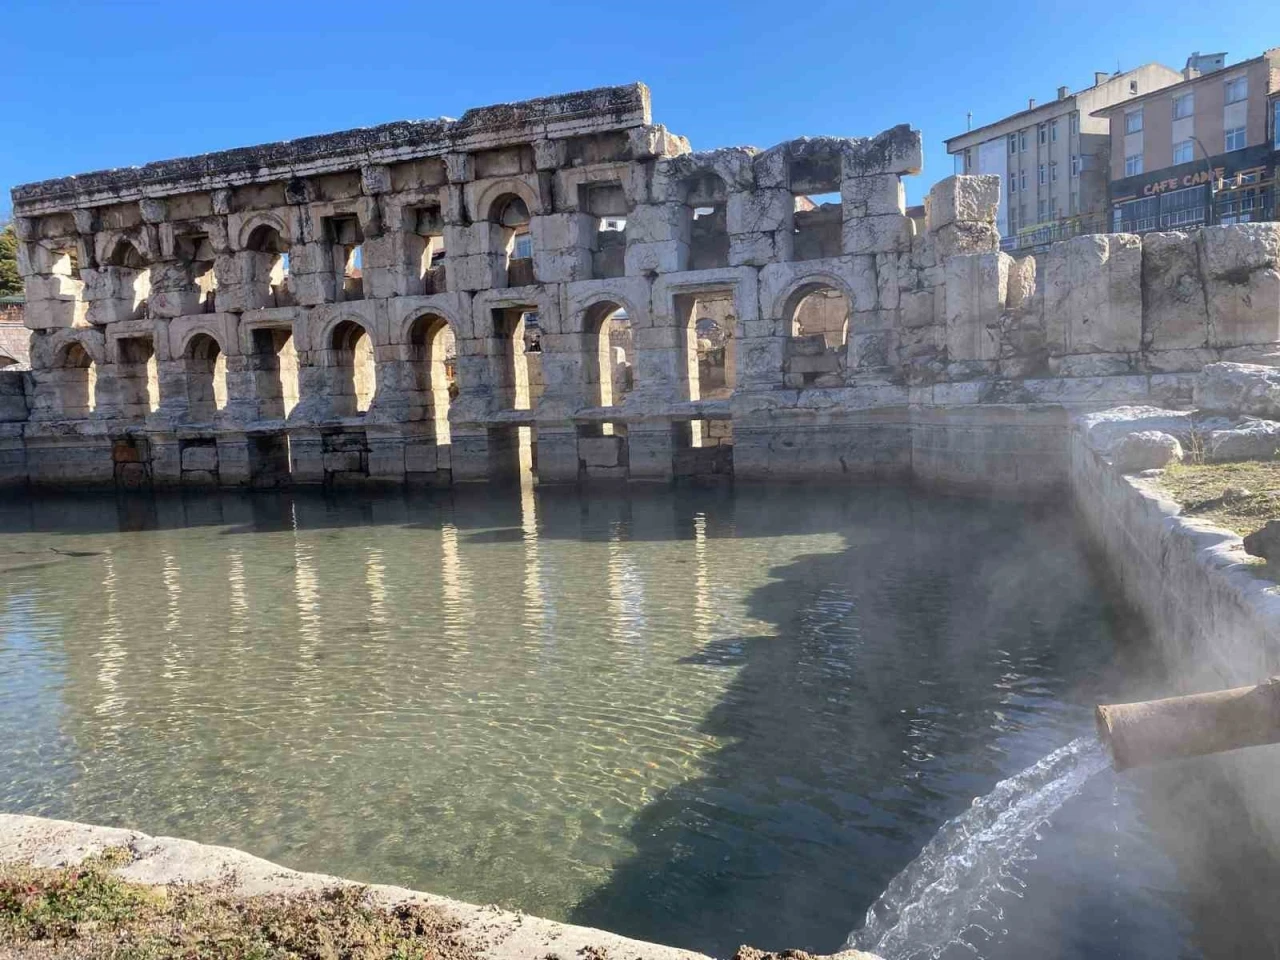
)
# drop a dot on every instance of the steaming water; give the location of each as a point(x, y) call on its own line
point(944, 890)
point(705, 718)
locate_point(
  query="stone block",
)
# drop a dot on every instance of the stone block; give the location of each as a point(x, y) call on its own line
point(421, 457)
point(200, 458)
point(54, 314)
point(885, 234)
point(560, 231)
point(916, 308)
point(759, 249)
point(963, 199)
point(964, 237)
point(599, 451)
point(1146, 450)
point(657, 222)
point(899, 150)
point(1252, 440)
point(1241, 388)
point(54, 286)
point(480, 272)
point(1241, 268)
point(878, 195)
point(1093, 294)
point(652, 141)
point(1022, 283)
point(342, 461)
point(759, 211)
point(974, 296)
point(760, 360)
point(562, 266)
point(1174, 312)
point(375, 178)
point(667, 256)
point(153, 210)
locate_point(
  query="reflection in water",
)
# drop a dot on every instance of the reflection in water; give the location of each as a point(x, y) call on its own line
point(111, 653)
point(698, 717)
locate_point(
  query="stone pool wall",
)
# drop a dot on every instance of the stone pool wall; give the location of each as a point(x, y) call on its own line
point(1215, 624)
point(493, 933)
point(564, 287)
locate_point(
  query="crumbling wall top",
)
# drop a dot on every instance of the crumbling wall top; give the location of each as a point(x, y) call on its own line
point(564, 115)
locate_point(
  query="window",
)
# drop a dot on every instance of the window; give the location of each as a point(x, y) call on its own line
point(1042, 209)
point(1133, 121)
point(1022, 141)
point(1237, 90)
point(1074, 124)
point(1013, 143)
point(1013, 183)
point(1133, 86)
point(968, 160)
point(1075, 204)
point(1235, 139)
point(1022, 180)
point(1183, 152)
point(1184, 106)
point(1042, 133)
point(1053, 131)
point(1075, 164)
point(1053, 173)
point(524, 246)
point(1133, 165)
point(1043, 178)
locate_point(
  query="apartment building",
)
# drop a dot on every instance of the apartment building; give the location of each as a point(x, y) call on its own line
point(1203, 150)
point(1054, 157)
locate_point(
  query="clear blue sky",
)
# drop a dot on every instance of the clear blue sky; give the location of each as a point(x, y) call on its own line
point(87, 86)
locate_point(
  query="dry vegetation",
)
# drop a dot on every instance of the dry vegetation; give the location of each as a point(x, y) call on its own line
point(86, 911)
point(1241, 496)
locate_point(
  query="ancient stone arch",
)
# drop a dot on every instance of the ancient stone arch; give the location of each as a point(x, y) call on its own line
point(608, 349)
point(497, 192)
point(204, 364)
point(252, 237)
point(432, 375)
point(804, 286)
point(348, 355)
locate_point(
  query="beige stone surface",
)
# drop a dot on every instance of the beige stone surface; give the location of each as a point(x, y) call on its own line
point(446, 281)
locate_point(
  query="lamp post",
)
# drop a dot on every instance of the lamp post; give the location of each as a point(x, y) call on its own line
point(1208, 171)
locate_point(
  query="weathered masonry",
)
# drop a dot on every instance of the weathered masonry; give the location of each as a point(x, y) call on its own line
point(560, 286)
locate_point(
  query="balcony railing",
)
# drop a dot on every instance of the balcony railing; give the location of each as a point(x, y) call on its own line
point(1191, 207)
point(1043, 234)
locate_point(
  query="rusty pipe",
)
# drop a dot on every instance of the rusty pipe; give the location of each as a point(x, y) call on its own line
point(1137, 734)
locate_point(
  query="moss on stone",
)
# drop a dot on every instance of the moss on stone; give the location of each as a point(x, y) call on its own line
point(87, 910)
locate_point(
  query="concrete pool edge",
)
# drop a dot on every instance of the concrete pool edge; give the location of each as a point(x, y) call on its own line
point(1212, 620)
point(496, 934)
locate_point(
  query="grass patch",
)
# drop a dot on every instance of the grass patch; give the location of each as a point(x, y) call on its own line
point(1252, 488)
point(88, 911)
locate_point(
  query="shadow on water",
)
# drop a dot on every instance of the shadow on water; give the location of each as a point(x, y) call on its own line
point(930, 649)
point(938, 646)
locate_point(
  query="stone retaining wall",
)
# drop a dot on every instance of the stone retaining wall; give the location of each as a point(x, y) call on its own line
point(1215, 624)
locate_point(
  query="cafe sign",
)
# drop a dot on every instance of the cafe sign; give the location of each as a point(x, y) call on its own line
point(1186, 180)
point(1224, 167)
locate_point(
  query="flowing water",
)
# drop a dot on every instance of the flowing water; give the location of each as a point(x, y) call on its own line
point(699, 717)
point(973, 858)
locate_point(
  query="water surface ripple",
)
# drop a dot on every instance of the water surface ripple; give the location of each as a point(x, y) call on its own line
point(699, 717)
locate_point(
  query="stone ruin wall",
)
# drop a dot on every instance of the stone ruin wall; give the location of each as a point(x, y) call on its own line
point(444, 301)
